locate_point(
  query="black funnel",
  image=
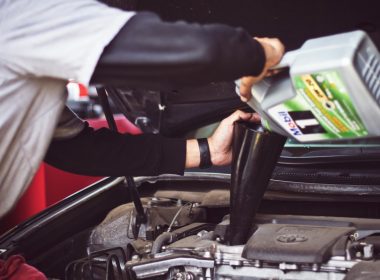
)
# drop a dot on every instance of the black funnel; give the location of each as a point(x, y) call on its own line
point(254, 156)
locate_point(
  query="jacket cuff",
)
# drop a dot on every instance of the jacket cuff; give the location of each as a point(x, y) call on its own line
point(173, 156)
point(260, 59)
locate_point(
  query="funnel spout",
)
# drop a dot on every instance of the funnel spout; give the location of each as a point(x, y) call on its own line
point(254, 155)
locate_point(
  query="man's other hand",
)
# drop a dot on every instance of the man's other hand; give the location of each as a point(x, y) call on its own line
point(220, 143)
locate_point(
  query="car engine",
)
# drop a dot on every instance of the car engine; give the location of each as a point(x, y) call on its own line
point(177, 242)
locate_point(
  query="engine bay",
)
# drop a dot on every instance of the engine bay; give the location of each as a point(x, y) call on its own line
point(93, 234)
point(178, 242)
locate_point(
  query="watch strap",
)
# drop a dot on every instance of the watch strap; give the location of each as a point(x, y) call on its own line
point(204, 151)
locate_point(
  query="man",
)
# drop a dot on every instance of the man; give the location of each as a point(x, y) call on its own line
point(43, 44)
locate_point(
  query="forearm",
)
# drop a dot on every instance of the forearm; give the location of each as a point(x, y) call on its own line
point(192, 154)
point(107, 153)
point(149, 52)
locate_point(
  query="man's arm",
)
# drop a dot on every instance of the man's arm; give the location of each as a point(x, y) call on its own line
point(149, 52)
point(106, 153)
point(103, 152)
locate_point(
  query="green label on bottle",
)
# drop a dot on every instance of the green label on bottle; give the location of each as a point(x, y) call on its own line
point(322, 109)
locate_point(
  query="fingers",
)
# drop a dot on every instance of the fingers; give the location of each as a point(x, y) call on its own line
point(221, 140)
point(255, 118)
point(245, 86)
point(252, 117)
point(244, 116)
point(244, 99)
point(272, 72)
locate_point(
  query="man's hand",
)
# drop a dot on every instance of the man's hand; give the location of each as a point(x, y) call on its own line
point(274, 50)
point(220, 142)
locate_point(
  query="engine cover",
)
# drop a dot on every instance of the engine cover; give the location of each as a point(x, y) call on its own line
point(294, 243)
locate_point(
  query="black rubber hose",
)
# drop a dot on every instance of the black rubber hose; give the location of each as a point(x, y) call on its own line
point(163, 239)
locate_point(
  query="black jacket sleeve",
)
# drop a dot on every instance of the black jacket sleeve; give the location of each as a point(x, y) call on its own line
point(106, 153)
point(150, 52)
